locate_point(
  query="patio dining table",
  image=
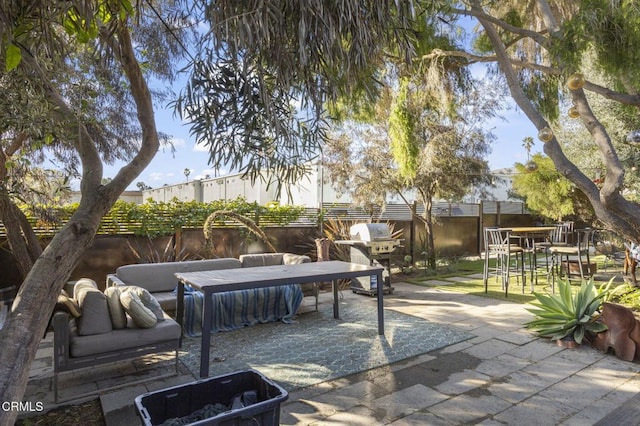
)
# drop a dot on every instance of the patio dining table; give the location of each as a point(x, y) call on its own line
point(210, 282)
point(529, 234)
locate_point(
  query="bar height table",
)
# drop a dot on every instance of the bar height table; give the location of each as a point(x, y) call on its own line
point(210, 282)
point(530, 233)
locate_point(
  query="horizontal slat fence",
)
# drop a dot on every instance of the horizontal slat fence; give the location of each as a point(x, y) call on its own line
point(117, 222)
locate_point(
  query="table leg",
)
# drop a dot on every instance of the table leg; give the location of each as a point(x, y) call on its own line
point(380, 294)
point(205, 345)
point(336, 307)
point(180, 309)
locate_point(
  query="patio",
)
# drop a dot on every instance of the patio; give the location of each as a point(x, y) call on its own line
point(502, 374)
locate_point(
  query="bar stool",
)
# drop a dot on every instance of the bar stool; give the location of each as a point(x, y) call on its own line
point(531, 250)
point(509, 258)
point(560, 257)
point(558, 237)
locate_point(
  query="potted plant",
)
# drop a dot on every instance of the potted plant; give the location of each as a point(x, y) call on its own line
point(566, 317)
point(407, 268)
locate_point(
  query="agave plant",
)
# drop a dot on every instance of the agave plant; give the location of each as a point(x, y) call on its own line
point(566, 314)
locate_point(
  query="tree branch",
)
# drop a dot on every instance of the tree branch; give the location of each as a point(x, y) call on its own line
point(122, 46)
point(614, 178)
point(61, 112)
point(436, 53)
point(622, 98)
point(551, 148)
point(478, 13)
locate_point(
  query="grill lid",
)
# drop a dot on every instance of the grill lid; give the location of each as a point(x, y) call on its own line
point(370, 232)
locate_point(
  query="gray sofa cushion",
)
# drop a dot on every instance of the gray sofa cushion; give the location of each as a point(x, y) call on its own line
point(95, 317)
point(147, 299)
point(262, 259)
point(130, 337)
point(157, 277)
point(167, 299)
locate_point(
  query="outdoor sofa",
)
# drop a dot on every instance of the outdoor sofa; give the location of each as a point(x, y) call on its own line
point(267, 304)
point(93, 331)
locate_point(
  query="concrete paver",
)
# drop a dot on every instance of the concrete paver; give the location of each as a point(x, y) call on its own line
point(503, 375)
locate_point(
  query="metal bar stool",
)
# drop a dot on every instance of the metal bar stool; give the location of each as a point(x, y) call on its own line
point(509, 258)
point(560, 257)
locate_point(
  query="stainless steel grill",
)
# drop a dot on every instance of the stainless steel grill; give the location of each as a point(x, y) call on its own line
point(375, 236)
point(371, 244)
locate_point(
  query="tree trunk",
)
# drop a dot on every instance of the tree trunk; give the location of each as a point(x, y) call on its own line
point(611, 208)
point(23, 242)
point(322, 248)
point(36, 298)
point(431, 249)
point(33, 305)
point(427, 218)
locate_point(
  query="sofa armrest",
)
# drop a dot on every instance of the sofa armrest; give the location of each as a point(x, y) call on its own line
point(61, 336)
point(113, 280)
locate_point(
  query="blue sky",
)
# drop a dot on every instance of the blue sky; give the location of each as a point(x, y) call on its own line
point(168, 167)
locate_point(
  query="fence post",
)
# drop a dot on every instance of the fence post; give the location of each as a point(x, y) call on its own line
point(412, 231)
point(480, 234)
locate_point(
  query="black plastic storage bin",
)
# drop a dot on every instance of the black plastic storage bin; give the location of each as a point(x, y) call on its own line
point(155, 408)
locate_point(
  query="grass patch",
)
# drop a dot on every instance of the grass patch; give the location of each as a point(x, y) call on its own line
point(475, 286)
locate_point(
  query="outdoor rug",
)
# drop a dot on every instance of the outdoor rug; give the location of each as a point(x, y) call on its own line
point(317, 348)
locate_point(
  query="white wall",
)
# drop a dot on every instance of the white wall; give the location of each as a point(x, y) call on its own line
point(311, 191)
point(187, 191)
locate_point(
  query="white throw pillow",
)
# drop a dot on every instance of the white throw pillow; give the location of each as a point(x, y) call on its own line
point(142, 316)
point(118, 315)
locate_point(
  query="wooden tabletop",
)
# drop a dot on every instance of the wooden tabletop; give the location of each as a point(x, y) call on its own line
point(266, 276)
point(528, 229)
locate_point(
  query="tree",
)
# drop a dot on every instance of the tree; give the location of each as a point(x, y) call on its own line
point(49, 49)
point(413, 142)
point(142, 186)
point(260, 81)
point(532, 47)
point(555, 201)
point(539, 48)
point(276, 53)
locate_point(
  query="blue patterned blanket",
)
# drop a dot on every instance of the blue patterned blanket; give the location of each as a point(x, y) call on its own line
point(243, 308)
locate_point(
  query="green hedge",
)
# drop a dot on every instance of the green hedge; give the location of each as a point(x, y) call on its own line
point(155, 219)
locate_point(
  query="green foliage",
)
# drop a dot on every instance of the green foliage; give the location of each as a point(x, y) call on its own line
point(154, 219)
point(568, 314)
point(402, 126)
point(482, 44)
point(13, 57)
point(542, 91)
point(630, 298)
point(546, 192)
point(608, 28)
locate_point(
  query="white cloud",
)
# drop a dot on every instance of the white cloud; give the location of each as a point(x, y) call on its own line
point(211, 173)
point(158, 176)
point(176, 142)
point(200, 147)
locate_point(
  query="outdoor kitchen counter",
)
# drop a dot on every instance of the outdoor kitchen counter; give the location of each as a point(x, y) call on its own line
point(210, 282)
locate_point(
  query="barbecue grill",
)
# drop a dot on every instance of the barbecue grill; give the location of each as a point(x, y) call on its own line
point(371, 244)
